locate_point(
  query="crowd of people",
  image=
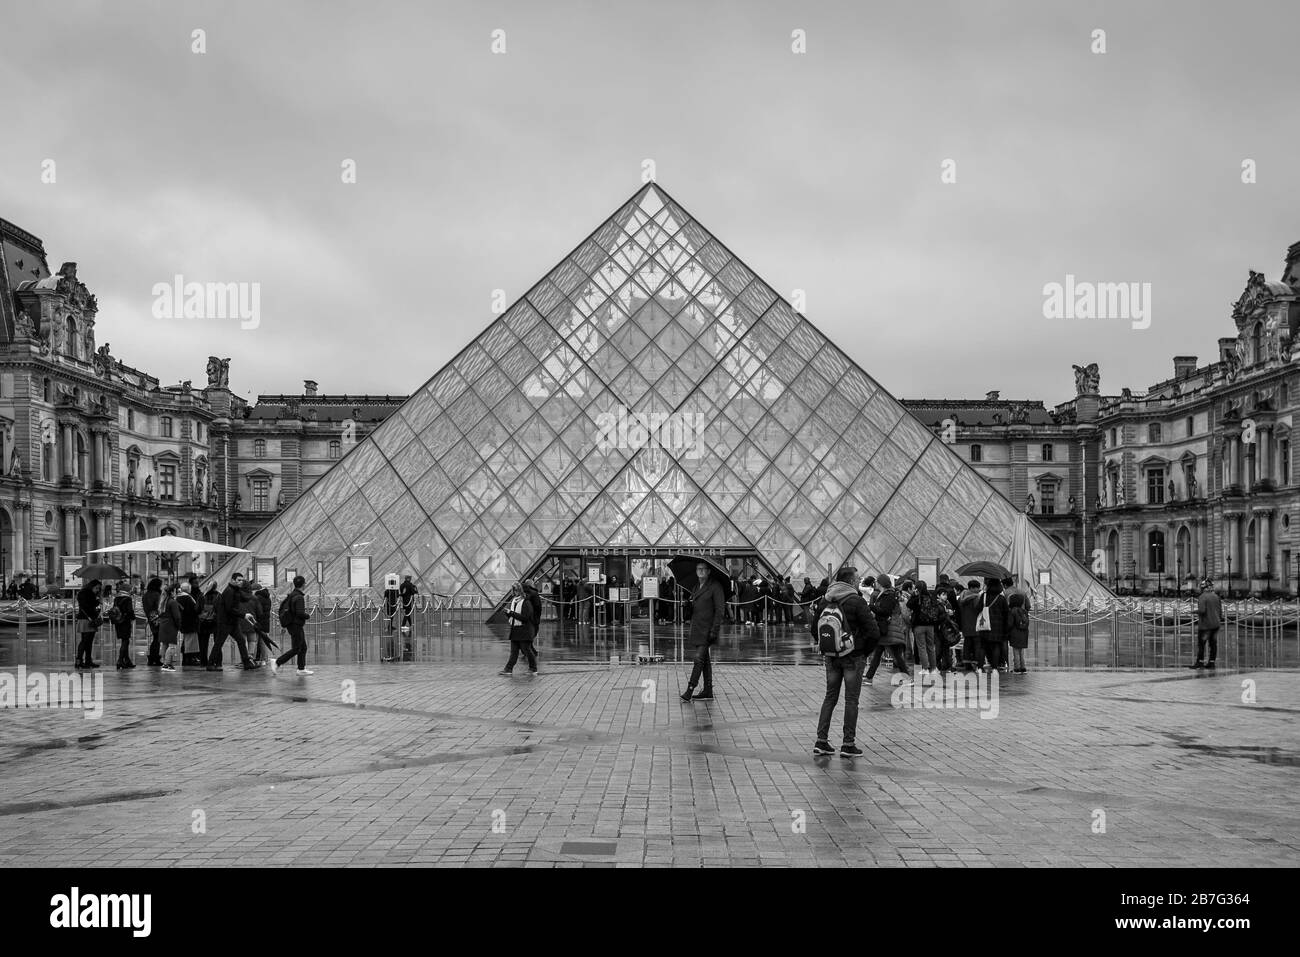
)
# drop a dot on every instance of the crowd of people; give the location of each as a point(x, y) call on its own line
point(183, 620)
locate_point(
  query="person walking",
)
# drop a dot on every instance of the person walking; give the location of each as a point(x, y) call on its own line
point(807, 598)
point(151, 604)
point(1209, 619)
point(991, 625)
point(787, 601)
point(534, 599)
point(888, 609)
point(708, 609)
point(293, 616)
point(88, 621)
point(1018, 631)
point(229, 614)
point(122, 614)
point(523, 629)
point(261, 610)
point(843, 611)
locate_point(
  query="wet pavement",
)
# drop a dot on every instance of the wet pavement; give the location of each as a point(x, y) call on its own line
point(444, 762)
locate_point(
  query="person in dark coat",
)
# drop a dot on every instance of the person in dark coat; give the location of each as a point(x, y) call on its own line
point(708, 609)
point(845, 671)
point(207, 625)
point(993, 640)
point(123, 617)
point(535, 599)
point(88, 621)
point(169, 628)
point(523, 629)
point(1018, 630)
point(189, 626)
point(229, 616)
point(151, 605)
point(747, 602)
point(298, 616)
point(807, 598)
point(407, 593)
point(967, 616)
point(888, 609)
point(261, 610)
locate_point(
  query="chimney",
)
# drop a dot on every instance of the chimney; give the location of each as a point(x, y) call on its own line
point(1184, 366)
point(1291, 274)
point(309, 387)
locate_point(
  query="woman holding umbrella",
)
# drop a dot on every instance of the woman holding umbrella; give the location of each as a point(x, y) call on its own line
point(708, 608)
point(88, 621)
point(123, 616)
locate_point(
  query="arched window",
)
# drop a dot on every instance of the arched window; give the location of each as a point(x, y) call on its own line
point(1250, 549)
point(1183, 556)
point(259, 448)
point(336, 448)
point(74, 341)
point(82, 465)
point(1112, 556)
point(84, 537)
point(977, 453)
point(1257, 342)
point(1156, 552)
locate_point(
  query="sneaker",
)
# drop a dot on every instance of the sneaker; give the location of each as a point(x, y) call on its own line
point(704, 694)
point(534, 673)
point(505, 673)
point(1197, 666)
point(866, 681)
point(274, 666)
point(304, 671)
point(823, 747)
point(168, 668)
point(688, 694)
point(850, 751)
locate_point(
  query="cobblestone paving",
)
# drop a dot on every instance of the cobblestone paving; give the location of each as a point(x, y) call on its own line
point(447, 763)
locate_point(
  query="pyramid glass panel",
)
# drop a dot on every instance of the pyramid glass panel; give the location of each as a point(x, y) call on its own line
point(649, 392)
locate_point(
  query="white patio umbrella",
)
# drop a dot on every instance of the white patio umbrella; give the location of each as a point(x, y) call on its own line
point(169, 543)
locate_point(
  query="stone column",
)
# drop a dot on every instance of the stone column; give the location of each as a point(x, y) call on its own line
point(20, 536)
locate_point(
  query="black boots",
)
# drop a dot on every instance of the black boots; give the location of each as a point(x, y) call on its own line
point(706, 693)
point(689, 693)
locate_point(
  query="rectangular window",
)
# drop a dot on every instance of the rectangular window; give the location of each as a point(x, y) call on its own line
point(1155, 486)
point(165, 424)
point(977, 453)
point(1153, 432)
point(261, 495)
point(167, 483)
point(130, 419)
point(1047, 452)
point(1284, 460)
point(1112, 438)
point(1191, 426)
point(1048, 492)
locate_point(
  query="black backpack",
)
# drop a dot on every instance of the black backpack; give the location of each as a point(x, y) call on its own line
point(285, 614)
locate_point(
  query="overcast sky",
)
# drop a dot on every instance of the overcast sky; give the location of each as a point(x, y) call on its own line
point(821, 171)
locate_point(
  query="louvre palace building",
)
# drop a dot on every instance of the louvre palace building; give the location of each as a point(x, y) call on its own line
point(649, 396)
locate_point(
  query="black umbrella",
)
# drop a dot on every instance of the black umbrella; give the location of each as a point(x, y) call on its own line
point(683, 569)
point(101, 572)
point(985, 570)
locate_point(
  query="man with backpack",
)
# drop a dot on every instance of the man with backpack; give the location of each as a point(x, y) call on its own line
point(293, 615)
point(845, 632)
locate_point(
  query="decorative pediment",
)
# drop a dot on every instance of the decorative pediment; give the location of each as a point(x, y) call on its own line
point(1042, 477)
point(1153, 462)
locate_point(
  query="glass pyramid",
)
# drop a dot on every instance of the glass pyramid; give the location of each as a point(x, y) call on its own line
point(651, 390)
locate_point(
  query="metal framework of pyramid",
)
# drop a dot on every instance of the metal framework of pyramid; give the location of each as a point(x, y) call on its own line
point(506, 452)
